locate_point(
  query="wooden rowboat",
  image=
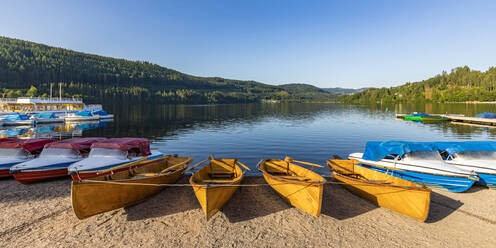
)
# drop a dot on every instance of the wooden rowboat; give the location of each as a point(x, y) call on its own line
point(215, 183)
point(394, 193)
point(104, 193)
point(299, 186)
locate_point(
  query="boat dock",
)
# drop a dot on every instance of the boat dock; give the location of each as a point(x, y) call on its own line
point(462, 118)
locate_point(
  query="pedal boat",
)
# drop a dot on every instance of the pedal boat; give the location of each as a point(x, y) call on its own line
point(476, 156)
point(54, 160)
point(414, 161)
point(300, 187)
point(115, 155)
point(215, 183)
point(16, 151)
point(81, 116)
point(396, 194)
point(105, 193)
point(16, 119)
point(102, 114)
point(46, 118)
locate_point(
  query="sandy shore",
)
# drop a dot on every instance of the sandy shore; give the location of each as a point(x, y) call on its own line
point(40, 215)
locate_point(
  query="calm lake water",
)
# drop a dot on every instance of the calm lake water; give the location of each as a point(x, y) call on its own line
point(310, 132)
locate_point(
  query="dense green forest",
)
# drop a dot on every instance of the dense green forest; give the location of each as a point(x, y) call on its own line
point(28, 68)
point(460, 85)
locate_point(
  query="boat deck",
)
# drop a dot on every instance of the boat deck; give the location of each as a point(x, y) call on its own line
point(461, 118)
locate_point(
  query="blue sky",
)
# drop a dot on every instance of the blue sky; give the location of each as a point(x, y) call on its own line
point(325, 43)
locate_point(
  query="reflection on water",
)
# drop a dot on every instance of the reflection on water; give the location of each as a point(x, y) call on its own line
point(311, 132)
point(305, 131)
point(58, 130)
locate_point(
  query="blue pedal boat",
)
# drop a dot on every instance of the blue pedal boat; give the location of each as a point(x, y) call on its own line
point(476, 156)
point(415, 161)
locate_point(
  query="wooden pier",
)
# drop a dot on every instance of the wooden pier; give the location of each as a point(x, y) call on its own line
point(462, 118)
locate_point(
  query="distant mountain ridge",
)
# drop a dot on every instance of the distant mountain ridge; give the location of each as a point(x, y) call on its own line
point(307, 91)
point(343, 91)
point(27, 65)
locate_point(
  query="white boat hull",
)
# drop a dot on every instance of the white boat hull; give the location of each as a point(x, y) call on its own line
point(81, 118)
point(44, 121)
point(17, 122)
point(109, 116)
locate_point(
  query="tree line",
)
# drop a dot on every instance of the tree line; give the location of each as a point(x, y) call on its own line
point(460, 85)
point(24, 65)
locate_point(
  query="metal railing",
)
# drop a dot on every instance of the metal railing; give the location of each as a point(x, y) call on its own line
point(64, 99)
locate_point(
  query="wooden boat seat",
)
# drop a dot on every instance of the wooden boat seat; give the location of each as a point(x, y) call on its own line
point(221, 175)
point(363, 178)
point(300, 178)
point(146, 174)
point(277, 173)
point(221, 181)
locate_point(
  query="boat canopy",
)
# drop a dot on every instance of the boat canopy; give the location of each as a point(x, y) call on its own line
point(79, 144)
point(84, 113)
point(140, 146)
point(377, 150)
point(15, 117)
point(454, 147)
point(31, 145)
point(488, 115)
point(45, 115)
point(99, 112)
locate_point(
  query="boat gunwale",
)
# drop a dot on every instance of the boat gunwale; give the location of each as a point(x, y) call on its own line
point(127, 180)
point(421, 186)
point(355, 189)
point(233, 182)
point(266, 173)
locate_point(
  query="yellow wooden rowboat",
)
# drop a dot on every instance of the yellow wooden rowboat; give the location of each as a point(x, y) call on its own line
point(299, 186)
point(399, 195)
point(105, 193)
point(215, 183)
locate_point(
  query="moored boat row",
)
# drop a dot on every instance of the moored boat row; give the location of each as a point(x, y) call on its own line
point(16, 119)
point(109, 173)
point(79, 157)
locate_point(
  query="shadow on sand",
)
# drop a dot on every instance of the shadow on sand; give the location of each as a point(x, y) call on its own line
point(340, 204)
point(246, 203)
point(169, 201)
point(252, 202)
point(476, 188)
point(441, 206)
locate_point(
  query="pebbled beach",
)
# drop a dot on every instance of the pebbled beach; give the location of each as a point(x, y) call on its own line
point(40, 215)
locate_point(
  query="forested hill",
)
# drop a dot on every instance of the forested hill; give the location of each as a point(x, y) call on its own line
point(343, 91)
point(460, 85)
point(307, 91)
point(27, 65)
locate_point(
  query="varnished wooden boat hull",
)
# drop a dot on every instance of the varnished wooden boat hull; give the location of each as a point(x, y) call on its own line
point(213, 193)
point(399, 195)
point(212, 198)
point(306, 196)
point(93, 197)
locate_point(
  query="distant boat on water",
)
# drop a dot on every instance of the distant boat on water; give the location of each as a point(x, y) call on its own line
point(35, 105)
